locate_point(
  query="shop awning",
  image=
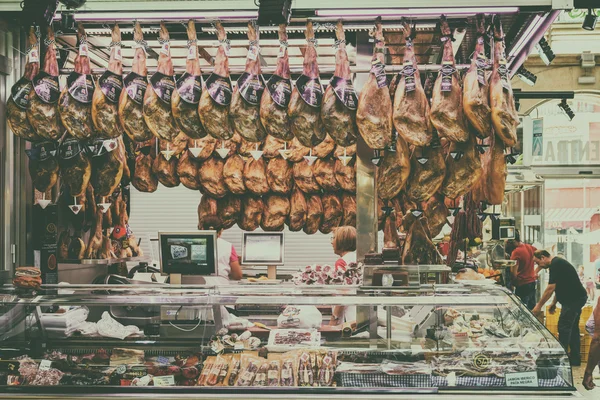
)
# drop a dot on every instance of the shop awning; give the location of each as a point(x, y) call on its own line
point(563, 218)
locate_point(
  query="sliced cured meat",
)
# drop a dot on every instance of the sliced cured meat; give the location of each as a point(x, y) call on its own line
point(428, 169)
point(436, 213)
point(276, 97)
point(105, 103)
point(208, 207)
point(411, 107)
point(346, 175)
point(279, 176)
point(144, 179)
point(211, 177)
point(75, 167)
point(157, 99)
point(304, 178)
point(255, 176)
point(324, 173)
point(213, 108)
point(340, 101)
point(204, 147)
point(272, 146)
point(107, 169)
point(43, 114)
point(186, 96)
point(275, 212)
point(75, 102)
point(495, 172)
point(229, 210)
point(504, 112)
point(446, 104)
point(187, 170)
point(314, 214)
point(476, 88)
point(325, 148)
point(374, 112)
point(304, 109)
point(463, 169)
point(252, 211)
point(18, 101)
point(233, 174)
point(349, 207)
point(393, 173)
point(131, 101)
point(296, 151)
point(298, 211)
point(244, 112)
point(166, 171)
point(332, 213)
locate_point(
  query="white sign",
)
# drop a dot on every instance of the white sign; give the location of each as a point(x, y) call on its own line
point(167, 380)
point(522, 379)
point(263, 248)
point(45, 365)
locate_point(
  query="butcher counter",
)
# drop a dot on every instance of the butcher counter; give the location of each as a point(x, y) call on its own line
point(136, 341)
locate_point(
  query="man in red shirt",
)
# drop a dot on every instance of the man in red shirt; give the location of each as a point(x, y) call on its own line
point(523, 274)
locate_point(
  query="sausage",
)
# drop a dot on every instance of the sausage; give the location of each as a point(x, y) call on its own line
point(273, 374)
point(261, 375)
point(287, 373)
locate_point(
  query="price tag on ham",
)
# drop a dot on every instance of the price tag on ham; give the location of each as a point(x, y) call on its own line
point(168, 380)
point(522, 379)
point(447, 71)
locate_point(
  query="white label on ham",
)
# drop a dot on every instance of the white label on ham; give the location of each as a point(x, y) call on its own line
point(344, 90)
point(226, 47)
point(482, 64)
point(165, 48)
point(33, 56)
point(378, 69)
point(282, 50)
point(253, 53)
point(251, 87)
point(408, 72)
point(118, 54)
point(503, 71)
point(84, 50)
point(447, 71)
point(192, 52)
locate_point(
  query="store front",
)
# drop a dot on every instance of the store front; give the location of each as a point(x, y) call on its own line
point(202, 201)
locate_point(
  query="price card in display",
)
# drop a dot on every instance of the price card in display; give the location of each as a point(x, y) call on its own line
point(522, 379)
point(45, 365)
point(167, 380)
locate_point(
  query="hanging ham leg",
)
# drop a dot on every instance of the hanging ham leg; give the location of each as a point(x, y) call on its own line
point(446, 104)
point(393, 173)
point(157, 100)
point(213, 108)
point(276, 97)
point(298, 209)
point(304, 109)
point(186, 96)
point(144, 178)
point(463, 169)
point(105, 107)
point(43, 114)
point(428, 169)
point(411, 107)
point(131, 101)
point(374, 113)
point(495, 172)
point(252, 211)
point(476, 89)
point(504, 112)
point(75, 103)
point(340, 101)
point(18, 101)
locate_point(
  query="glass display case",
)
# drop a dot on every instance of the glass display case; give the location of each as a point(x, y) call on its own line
point(270, 340)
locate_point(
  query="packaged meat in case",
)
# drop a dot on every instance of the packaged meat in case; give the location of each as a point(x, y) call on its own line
point(249, 369)
point(290, 338)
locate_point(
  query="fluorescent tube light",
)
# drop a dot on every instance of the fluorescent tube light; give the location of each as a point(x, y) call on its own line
point(407, 12)
point(162, 15)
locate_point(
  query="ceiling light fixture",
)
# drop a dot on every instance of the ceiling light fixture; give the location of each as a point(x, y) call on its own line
point(409, 12)
point(163, 16)
point(545, 51)
point(566, 109)
point(526, 76)
point(537, 21)
point(589, 23)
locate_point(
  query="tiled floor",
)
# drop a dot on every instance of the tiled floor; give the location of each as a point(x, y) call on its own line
point(578, 377)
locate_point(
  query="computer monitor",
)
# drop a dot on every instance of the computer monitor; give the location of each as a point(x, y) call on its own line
point(263, 248)
point(188, 253)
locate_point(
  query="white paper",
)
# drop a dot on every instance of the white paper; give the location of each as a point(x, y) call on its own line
point(45, 365)
point(165, 49)
point(167, 380)
point(263, 248)
point(522, 379)
point(83, 50)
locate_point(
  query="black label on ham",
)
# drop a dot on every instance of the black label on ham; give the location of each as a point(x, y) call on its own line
point(42, 151)
point(81, 87)
point(46, 87)
point(482, 65)
point(111, 85)
point(251, 87)
point(310, 90)
point(219, 88)
point(344, 90)
point(189, 88)
point(20, 92)
point(70, 148)
point(378, 69)
point(503, 71)
point(408, 72)
point(99, 147)
point(447, 71)
point(135, 86)
point(163, 86)
point(280, 90)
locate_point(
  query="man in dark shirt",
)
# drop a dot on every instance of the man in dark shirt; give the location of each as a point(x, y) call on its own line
point(570, 293)
point(523, 275)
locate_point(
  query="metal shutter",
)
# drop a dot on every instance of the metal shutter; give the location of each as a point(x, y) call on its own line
point(175, 210)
